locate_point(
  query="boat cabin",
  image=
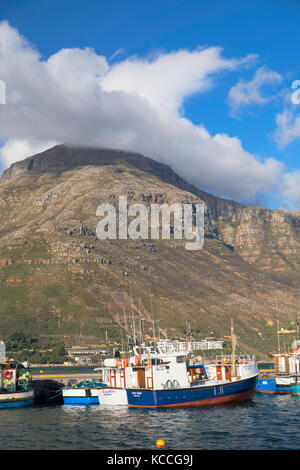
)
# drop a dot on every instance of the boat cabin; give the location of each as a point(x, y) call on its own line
point(287, 363)
point(147, 371)
point(14, 377)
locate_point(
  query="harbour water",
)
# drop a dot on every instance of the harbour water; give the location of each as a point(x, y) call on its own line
point(269, 422)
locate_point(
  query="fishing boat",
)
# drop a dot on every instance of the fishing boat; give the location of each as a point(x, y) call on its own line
point(267, 385)
point(16, 387)
point(285, 373)
point(83, 393)
point(165, 379)
point(160, 376)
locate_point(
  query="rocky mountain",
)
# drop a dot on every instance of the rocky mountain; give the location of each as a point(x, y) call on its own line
point(58, 278)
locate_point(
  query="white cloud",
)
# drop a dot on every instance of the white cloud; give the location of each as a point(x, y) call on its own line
point(288, 127)
point(17, 149)
point(288, 130)
point(137, 104)
point(167, 79)
point(247, 93)
point(66, 67)
point(291, 190)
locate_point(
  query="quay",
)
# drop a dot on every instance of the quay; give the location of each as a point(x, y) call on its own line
point(65, 378)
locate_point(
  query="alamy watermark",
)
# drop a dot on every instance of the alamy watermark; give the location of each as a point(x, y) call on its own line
point(295, 97)
point(2, 92)
point(188, 222)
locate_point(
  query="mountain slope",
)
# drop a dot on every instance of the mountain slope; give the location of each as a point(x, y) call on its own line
point(57, 277)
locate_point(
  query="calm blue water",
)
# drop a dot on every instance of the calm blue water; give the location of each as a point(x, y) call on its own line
point(269, 422)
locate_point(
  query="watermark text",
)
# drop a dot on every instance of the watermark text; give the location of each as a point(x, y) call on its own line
point(137, 222)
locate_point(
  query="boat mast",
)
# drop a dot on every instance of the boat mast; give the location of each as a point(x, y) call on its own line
point(141, 334)
point(233, 345)
point(126, 333)
point(278, 336)
point(122, 342)
point(133, 319)
point(153, 324)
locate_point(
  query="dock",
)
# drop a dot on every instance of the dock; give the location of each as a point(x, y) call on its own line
point(65, 378)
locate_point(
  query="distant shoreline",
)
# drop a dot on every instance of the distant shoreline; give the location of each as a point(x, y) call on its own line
point(63, 365)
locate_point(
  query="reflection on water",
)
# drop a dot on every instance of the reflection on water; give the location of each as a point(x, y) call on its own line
point(269, 422)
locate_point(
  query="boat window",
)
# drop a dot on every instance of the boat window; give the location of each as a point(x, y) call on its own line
point(179, 359)
point(156, 361)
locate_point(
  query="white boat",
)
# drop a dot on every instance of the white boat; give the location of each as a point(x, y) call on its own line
point(80, 396)
point(83, 393)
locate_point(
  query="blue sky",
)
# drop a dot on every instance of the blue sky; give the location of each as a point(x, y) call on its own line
point(268, 30)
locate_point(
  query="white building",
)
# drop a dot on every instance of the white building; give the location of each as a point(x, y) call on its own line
point(190, 346)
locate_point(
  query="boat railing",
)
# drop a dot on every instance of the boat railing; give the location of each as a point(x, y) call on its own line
point(239, 359)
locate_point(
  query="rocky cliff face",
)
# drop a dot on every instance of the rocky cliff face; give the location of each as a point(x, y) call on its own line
point(56, 276)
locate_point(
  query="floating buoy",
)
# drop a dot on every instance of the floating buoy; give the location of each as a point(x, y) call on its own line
point(160, 443)
point(41, 371)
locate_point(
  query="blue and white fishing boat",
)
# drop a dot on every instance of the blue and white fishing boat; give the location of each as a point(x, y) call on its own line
point(83, 393)
point(284, 376)
point(163, 379)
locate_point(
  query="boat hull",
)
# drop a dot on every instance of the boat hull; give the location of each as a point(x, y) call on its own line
point(266, 386)
point(283, 384)
point(242, 390)
point(113, 396)
point(80, 396)
point(295, 389)
point(16, 399)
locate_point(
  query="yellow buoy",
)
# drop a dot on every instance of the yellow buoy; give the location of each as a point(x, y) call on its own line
point(160, 443)
point(41, 371)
